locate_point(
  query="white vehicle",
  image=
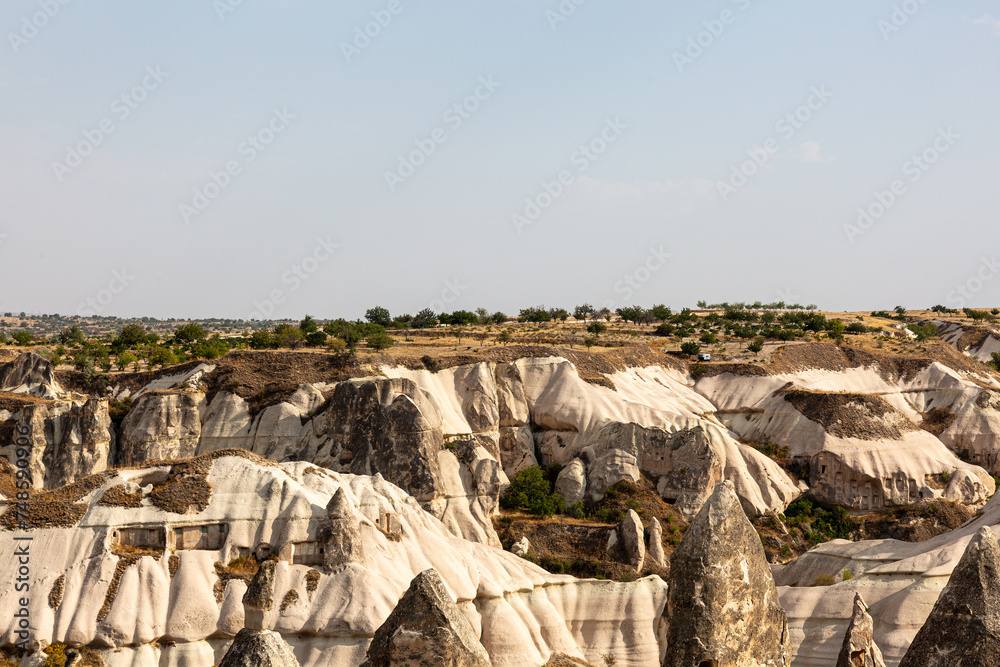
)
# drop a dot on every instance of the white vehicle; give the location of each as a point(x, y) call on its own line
point(704, 356)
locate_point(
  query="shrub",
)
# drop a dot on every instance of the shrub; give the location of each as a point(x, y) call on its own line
point(380, 341)
point(665, 329)
point(190, 333)
point(530, 491)
point(316, 338)
point(576, 510)
point(709, 338)
point(824, 580)
point(690, 348)
point(261, 340)
point(856, 328)
point(923, 331)
point(425, 318)
point(379, 315)
point(22, 338)
point(597, 328)
point(756, 345)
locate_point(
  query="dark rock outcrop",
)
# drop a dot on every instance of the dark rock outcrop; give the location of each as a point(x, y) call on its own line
point(963, 629)
point(387, 426)
point(29, 373)
point(723, 606)
point(859, 649)
point(340, 534)
point(69, 439)
point(257, 601)
point(426, 629)
point(259, 649)
point(254, 645)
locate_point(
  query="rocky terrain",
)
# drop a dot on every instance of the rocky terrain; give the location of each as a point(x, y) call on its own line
point(152, 503)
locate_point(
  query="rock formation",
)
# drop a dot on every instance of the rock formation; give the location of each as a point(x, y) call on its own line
point(655, 556)
point(29, 374)
point(633, 540)
point(182, 605)
point(255, 645)
point(521, 547)
point(426, 628)
point(723, 607)
point(571, 483)
point(340, 534)
point(859, 649)
point(69, 438)
point(963, 629)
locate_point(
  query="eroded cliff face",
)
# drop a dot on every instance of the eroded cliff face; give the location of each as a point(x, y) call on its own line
point(870, 437)
point(151, 603)
point(68, 438)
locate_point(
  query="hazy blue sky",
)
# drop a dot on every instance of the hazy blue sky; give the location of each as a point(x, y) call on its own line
point(309, 116)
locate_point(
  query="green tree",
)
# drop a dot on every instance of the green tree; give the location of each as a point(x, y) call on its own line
point(336, 345)
point(286, 335)
point(560, 314)
point(924, 331)
point(504, 337)
point(161, 356)
point(379, 341)
point(72, 335)
point(597, 328)
point(308, 325)
point(316, 338)
point(131, 337)
point(756, 345)
point(530, 491)
point(690, 348)
point(665, 329)
point(583, 312)
point(424, 319)
point(590, 341)
point(379, 315)
point(190, 333)
point(660, 312)
point(709, 338)
point(261, 340)
point(536, 314)
point(22, 338)
point(124, 359)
